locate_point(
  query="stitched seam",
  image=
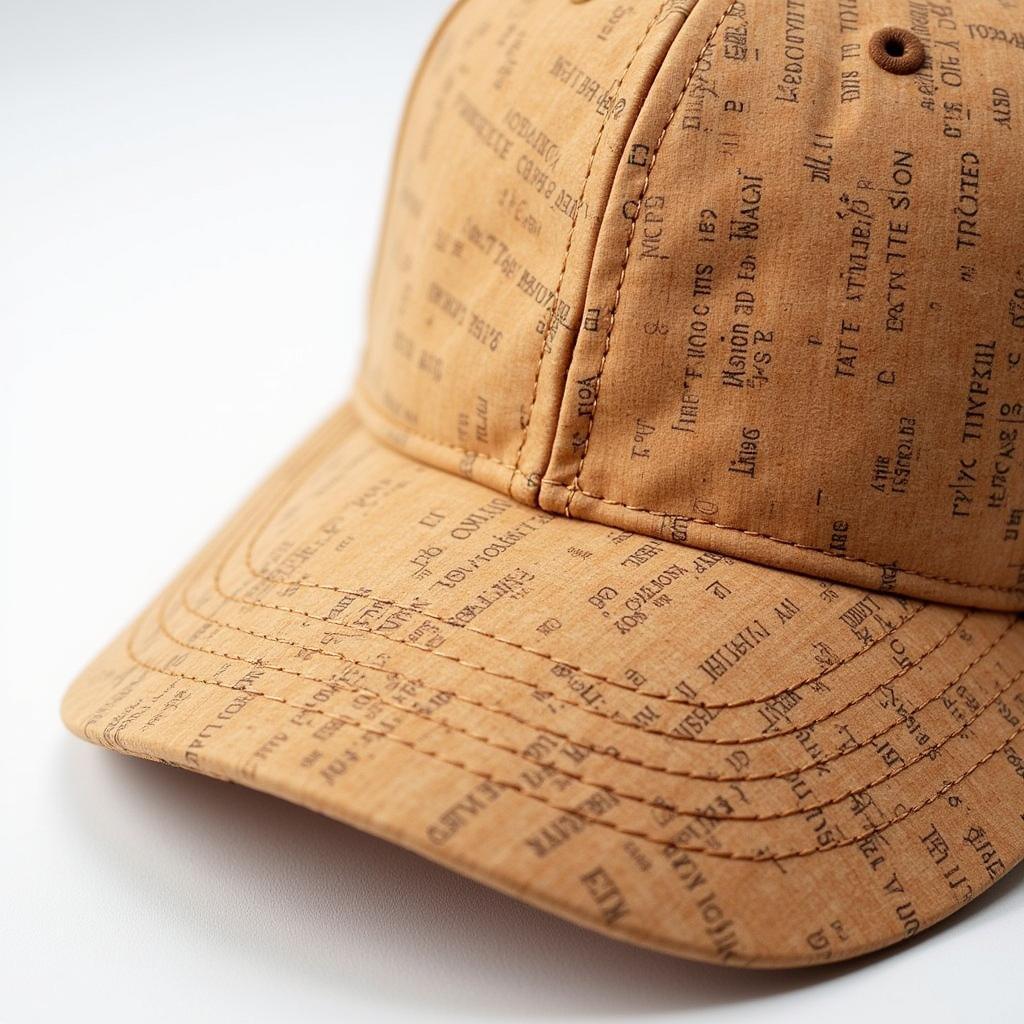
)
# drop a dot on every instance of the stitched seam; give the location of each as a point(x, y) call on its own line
point(613, 755)
point(543, 798)
point(794, 544)
point(722, 742)
point(646, 730)
point(747, 740)
point(667, 698)
point(628, 250)
point(314, 463)
point(711, 852)
point(618, 755)
point(572, 233)
point(917, 573)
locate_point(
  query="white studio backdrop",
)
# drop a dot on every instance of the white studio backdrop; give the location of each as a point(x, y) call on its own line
point(189, 198)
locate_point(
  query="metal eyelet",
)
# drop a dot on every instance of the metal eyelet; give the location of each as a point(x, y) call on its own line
point(896, 50)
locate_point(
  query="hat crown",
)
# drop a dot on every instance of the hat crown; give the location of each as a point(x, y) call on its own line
point(713, 273)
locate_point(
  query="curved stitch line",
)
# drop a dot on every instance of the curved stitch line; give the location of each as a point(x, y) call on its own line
point(665, 696)
point(572, 232)
point(398, 675)
point(627, 724)
point(618, 755)
point(720, 741)
point(621, 829)
point(761, 738)
point(488, 741)
point(917, 573)
point(628, 250)
point(797, 544)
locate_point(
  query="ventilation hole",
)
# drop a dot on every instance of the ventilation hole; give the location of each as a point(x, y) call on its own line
point(897, 51)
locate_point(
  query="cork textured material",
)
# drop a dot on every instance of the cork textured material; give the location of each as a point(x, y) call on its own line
point(664, 570)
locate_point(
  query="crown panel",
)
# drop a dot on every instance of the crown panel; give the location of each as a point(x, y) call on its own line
point(509, 149)
point(803, 336)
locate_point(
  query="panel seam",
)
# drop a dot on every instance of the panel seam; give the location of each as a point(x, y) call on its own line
point(545, 337)
point(574, 487)
point(366, 399)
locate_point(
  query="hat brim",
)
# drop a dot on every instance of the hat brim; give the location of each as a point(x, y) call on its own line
point(708, 757)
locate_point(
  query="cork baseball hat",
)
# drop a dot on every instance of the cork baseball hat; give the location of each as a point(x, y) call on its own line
point(664, 569)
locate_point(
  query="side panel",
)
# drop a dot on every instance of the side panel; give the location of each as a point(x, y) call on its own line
point(804, 338)
point(511, 142)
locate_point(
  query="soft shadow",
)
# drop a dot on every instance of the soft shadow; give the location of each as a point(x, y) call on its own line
point(310, 896)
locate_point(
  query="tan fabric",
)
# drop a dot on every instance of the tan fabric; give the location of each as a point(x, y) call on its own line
point(663, 743)
point(788, 322)
point(708, 274)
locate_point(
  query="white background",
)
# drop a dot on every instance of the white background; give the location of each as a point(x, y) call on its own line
point(189, 198)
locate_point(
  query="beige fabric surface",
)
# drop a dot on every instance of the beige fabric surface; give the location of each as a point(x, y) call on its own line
point(720, 760)
point(787, 323)
point(663, 572)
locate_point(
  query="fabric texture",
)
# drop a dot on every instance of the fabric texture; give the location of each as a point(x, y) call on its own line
point(663, 572)
point(785, 321)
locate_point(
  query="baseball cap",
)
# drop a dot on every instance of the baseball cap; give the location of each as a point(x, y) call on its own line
point(663, 570)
